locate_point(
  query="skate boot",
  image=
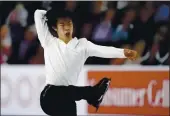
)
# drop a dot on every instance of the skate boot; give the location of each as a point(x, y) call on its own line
point(100, 89)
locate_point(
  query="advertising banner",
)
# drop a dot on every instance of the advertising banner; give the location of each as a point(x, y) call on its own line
point(134, 92)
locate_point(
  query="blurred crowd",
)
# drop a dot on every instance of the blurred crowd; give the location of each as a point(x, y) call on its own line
point(142, 26)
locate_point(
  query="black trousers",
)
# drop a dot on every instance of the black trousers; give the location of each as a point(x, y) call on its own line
point(60, 100)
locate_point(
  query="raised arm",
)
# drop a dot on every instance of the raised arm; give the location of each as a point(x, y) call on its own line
point(43, 32)
point(109, 52)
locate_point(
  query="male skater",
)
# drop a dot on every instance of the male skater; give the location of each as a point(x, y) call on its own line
point(64, 58)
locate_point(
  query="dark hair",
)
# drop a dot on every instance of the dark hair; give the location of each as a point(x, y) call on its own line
point(53, 15)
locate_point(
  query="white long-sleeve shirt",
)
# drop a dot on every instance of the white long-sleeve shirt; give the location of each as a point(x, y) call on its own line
point(63, 62)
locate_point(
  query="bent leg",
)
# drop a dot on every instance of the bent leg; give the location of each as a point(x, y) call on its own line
point(55, 101)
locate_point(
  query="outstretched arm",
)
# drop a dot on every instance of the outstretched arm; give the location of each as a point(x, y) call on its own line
point(109, 52)
point(43, 32)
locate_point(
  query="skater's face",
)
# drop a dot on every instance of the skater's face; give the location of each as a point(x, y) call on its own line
point(64, 28)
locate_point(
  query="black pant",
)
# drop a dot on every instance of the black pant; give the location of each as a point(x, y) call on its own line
point(60, 100)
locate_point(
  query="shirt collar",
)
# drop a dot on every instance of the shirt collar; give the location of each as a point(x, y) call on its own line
point(71, 44)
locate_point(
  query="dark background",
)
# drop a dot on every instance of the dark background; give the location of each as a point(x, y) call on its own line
point(142, 26)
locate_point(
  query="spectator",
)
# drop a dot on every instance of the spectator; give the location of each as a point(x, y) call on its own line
point(159, 53)
point(104, 6)
point(46, 5)
point(123, 29)
point(121, 4)
point(150, 6)
point(86, 30)
point(103, 30)
point(144, 28)
point(96, 14)
point(162, 13)
point(23, 51)
point(5, 44)
point(19, 14)
point(39, 57)
point(71, 6)
point(16, 23)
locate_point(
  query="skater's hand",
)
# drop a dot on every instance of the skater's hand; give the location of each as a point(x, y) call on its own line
point(130, 54)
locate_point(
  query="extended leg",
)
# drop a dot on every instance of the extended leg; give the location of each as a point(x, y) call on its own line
point(94, 95)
